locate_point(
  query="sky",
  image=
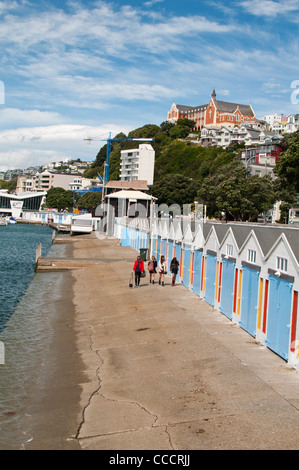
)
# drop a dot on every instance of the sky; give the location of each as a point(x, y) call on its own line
point(71, 70)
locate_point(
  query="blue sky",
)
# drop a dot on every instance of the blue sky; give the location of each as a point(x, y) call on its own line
point(73, 69)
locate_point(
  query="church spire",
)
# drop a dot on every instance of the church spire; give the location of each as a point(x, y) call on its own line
point(213, 94)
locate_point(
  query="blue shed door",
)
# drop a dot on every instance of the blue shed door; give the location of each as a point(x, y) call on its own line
point(227, 288)
point(186, 271)
point(279, 316)
point(250, 284)
point(164, 248)
point(178, 256)
point(210, 279)
point(124, 236)
point(197, 272)
point(158, 248)
point(170, 251)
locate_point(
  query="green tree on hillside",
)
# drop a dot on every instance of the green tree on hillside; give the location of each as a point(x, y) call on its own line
point(287, 168)
point(237, 194)
point(9, 185)
point(175, 189)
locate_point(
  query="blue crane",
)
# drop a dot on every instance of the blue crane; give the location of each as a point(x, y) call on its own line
point(109, 145)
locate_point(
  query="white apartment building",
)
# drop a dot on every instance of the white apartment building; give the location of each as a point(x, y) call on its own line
point(271, 119)
point(80, 183)
point(293, 123)
point(281, 124)
point(138, 164)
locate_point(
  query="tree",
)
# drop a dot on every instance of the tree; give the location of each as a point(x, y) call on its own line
point(60, 199)
point(9, 185)
point(165, 126)
point(175, 189)
point(237, 194)
point(90, 200)
point(287, 168)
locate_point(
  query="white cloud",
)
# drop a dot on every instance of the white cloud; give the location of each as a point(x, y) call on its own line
point(112, 31)
point(24, 147)
point(91, 57)
point(270, 8)
point(8, 5)
point(27, 117)
point(151, 3)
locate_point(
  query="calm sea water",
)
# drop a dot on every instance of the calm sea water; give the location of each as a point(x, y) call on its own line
point(26, 326)
point(18, 244)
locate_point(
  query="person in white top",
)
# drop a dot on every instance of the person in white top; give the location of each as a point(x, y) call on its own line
point(162, 270)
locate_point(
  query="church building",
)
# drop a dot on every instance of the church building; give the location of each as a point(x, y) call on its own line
point(214, 114)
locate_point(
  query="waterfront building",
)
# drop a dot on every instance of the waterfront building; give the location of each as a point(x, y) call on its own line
point(16, 204)
point(138, 164)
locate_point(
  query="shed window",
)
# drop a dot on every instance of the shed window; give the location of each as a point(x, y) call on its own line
point(281, 263)
point(251, 256)
point(229, 250)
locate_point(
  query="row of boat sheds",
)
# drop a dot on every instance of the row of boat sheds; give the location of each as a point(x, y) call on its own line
point(249, 272)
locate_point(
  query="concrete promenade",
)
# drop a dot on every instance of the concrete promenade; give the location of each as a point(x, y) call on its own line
point(165, 371)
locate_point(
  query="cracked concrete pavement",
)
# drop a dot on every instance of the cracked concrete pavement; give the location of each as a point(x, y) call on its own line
point(164, 371)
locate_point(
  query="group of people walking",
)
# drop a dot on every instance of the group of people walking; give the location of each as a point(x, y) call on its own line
point(152, 266)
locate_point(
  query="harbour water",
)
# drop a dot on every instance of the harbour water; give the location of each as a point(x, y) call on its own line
point(27, 321)
point(18, 244)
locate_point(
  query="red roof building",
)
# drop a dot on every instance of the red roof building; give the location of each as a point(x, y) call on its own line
point(214, 114)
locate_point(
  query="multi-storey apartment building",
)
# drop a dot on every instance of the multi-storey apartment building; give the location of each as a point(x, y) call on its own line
point(138, 164)
point(46, 180)
point(281, 124)
point(214, 114)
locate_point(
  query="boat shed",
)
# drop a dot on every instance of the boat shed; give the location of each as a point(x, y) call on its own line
point(130, 203)
point(249, 272)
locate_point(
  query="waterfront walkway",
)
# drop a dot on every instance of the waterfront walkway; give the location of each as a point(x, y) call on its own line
point(165, 371)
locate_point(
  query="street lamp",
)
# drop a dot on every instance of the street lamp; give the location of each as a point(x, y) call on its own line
point(248, 160)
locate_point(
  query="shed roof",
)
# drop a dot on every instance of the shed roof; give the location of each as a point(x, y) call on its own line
point(131, 194)
point(135, 184)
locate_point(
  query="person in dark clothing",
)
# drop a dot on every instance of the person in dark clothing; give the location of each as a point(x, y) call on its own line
point(174, 266)
point(138, 269)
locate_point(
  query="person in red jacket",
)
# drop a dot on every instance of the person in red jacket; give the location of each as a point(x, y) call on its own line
point(138, 269)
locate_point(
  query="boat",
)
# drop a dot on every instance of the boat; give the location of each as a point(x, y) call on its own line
point(3, 221)
point(63, 228)
point(11, 220)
